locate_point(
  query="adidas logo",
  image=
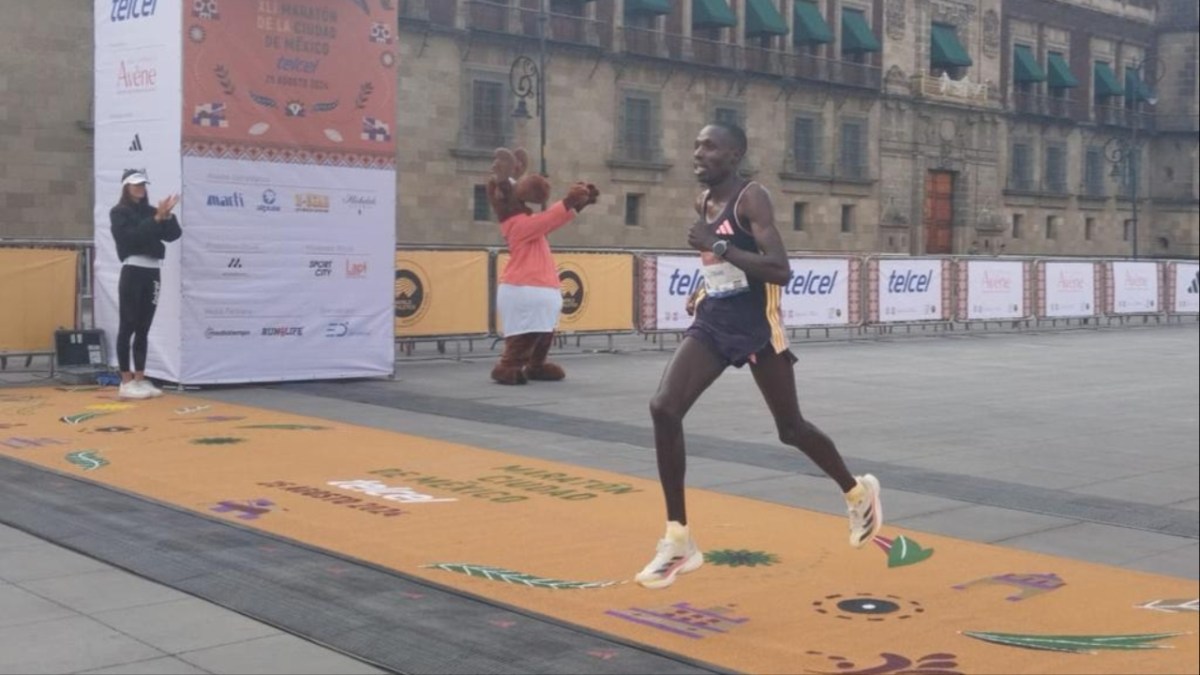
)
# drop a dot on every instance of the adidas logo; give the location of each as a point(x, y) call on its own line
point(136, 145)
point(235, 264)
point(725, 228)
point(1194, 288)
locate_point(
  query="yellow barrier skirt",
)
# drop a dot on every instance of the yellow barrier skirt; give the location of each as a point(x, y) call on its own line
point(441, 293)
point(597, 290)
point(37, 296)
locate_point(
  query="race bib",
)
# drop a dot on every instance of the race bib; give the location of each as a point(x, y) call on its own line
point(721, 278)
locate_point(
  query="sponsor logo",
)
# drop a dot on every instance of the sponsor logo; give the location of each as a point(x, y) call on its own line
point(412, 296)
point(1067, 282)
point(321, 268)
point(682, 284)
point(128, 10)
point(268, 202)
point(341, 329)
point(233, 268)
point(811, 283)
point(311, 202)
point(359, 203)
point(245, 509)
point(136, 145)
point(1194, 287)
point(572, 282)
point(211, 333)
point(283, 331)
point(137, 76)
point(232, 200)
point(379, 489)
point(996, 283)
point(909, 281)
point(356, 269)
point(1135, 280)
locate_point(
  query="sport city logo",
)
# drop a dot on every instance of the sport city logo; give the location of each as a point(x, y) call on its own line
point(573, 285)
point(268, 203)
point(129, 10)
point(321, 268)
point(411, 293)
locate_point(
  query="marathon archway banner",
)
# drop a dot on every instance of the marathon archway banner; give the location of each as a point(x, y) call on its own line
point(441, 293)
point(597, 291)
point(276, 118)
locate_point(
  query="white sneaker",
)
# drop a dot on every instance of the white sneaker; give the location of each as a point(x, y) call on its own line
point(866, 514)
point(131, 390)
point(148, 387)
point(677, 554)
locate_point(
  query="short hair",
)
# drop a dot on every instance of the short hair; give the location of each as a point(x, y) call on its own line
point(738, 134)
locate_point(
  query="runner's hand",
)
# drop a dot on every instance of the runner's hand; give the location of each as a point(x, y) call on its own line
point(701, 236)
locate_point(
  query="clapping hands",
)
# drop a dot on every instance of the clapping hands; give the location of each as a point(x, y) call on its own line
point(165, 206)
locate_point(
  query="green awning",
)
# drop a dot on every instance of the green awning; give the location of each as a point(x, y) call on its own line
point(1105, 80)
point(633, 7)
point(708, 13)
point(1135, 88)
point(811, 28)
point(945, 49)
point(763, 19)
point(1059, 75)
point(1025, 65)
point(856, 33)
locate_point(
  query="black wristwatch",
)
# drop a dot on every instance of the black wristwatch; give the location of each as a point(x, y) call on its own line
point(720, 247)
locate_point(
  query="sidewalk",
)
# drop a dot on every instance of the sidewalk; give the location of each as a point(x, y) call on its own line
point(1081, 444)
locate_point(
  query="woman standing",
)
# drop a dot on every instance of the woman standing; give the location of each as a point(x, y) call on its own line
point(139, 231)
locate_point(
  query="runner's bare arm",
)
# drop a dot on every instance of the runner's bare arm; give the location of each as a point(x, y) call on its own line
point(771, 263)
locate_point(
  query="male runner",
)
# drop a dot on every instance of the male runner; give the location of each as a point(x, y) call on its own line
point(737, 321)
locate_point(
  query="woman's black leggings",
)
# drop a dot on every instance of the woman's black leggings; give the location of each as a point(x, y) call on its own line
point(138, 294)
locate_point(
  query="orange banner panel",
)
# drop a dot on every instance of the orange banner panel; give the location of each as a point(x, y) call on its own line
point(441, 293)
point(597, 290)
point(37, 296)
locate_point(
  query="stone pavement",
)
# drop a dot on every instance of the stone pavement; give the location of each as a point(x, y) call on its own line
point(1081, 443)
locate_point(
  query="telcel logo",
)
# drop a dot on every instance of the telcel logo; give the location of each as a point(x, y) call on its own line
point(125, 10)
point(681, 283)
point(909, 281)
point(811, 283)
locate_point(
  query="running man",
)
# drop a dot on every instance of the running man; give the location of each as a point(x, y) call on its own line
point(737, 321)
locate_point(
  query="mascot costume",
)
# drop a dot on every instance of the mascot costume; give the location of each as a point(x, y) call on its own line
point(529, 299)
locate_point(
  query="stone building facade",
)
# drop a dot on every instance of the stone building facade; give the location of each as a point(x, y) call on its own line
point(903, 126)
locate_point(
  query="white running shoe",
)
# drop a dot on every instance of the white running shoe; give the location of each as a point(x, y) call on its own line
point(866, 514)
point(132, 390)
point(148, 387)
point(677, 554)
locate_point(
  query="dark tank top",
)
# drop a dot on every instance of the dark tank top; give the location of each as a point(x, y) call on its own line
point(738, 304)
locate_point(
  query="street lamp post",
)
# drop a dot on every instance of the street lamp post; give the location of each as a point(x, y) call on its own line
point(528, 80)
point(1126, 153)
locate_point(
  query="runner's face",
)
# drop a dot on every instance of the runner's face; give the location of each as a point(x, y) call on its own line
point(137, 191)
point(714, 157)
